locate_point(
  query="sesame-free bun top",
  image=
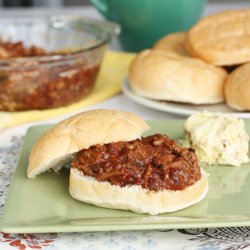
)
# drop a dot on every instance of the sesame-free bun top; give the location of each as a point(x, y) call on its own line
point(162, 75)
point(237, 88)
point(174, 43)
point(222, 38)
point(81, 131)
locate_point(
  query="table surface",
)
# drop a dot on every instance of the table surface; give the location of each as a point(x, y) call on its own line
point(11, 139)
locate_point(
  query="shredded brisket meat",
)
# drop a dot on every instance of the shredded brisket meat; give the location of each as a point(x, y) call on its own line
point(154, 162)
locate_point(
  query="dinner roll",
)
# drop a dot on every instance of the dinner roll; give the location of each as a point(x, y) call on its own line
point(166, 76)
point(174, 43)
point(237, 88)
point(222, 38)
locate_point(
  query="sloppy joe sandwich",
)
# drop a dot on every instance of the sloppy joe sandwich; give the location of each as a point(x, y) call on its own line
point(162, 75)
point(217, 139)
point(222, 38)
point(237, 88)
point(112, 166)
point(174, 43)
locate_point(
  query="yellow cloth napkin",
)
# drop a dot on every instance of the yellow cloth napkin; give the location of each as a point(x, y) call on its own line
point(113, 69)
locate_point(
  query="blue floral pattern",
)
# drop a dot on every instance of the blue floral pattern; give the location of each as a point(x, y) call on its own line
point(149, 244)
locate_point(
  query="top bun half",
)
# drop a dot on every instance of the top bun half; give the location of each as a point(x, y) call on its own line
point(222, 38)
point(81, 131)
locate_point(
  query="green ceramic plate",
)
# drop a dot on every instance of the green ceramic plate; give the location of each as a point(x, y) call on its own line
point(44, 204)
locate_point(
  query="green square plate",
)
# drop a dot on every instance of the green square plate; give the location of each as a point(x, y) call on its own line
point(44, 204)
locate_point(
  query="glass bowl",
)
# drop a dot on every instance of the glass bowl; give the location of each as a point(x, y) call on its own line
point(48, 62)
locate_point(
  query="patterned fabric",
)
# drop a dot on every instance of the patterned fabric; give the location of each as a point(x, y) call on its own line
point(184, 239)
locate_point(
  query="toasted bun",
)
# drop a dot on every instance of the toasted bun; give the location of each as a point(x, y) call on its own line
point(221, 39)
point(237, 88)
point(174, 43)
point(134, 198)
point(81, 131)
point(166, 76)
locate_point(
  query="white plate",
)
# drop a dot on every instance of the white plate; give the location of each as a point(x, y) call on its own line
point(178, 108)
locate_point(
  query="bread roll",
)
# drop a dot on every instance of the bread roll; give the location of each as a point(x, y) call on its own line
point(222, 38)
point(174, 43)
point(135, 198)
point(57, 146)
point(161, 75)
point(237, 88)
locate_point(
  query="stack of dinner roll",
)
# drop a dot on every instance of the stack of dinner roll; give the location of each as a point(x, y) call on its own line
point(206, 65)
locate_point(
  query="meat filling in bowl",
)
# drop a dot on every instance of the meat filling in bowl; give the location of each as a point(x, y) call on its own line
point(17, 49)
point(29, 85)
point(154, 162)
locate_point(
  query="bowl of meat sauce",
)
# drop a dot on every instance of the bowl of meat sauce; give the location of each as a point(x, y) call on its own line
point(49, 62)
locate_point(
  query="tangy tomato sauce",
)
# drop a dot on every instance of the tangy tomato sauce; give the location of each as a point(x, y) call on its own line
point(154, 162)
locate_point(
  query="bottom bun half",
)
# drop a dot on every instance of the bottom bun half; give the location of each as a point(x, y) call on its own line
point(135, 198)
